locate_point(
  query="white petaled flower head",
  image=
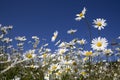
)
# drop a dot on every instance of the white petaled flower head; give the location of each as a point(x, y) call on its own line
point(85, 59)
point(45, 55)
point(99, 23)
point(87, 53)
point(20, 44)
point(6, 40)
point(59, 73)
point(81, 42)
point(62, 44)
point(10, 27)
point(62, 51)
point(23, 38)
point(35, 37)
point(54, 67)
point(55, 34)
point(67, 69)
point(81, 15)
point(71, 31)
point(99, 43)
point(4, 30)
point(108, 51)
point(29, 54)
point(83, 72)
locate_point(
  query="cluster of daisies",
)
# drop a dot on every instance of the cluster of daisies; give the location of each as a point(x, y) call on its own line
point(70, 61)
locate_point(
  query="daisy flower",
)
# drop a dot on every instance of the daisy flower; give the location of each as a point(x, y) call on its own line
point(62, 44)
point(62, 51)
point(71, 31)
point(87, 53)
point(54, 67)
point(83, 73)
point(81, 15)
point(59, 73)
point(23, 38)
point(99, 43)
point(81, 42)
point(85, 59)
point(6, 40)
point(35, 37)
point(29, 54)
point(108, 51)
point(99, 23)
point(55, 34)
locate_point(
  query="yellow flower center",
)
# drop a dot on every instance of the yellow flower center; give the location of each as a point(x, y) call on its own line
point(58, 73)
point(81, 42)
point(76, 70)
point(29, 55)
point(62, 51)
point(85, 59)
point(44, 55)
point(74, 63)
point(83, 73)
point(68, 69)
point(89, 53)
point(32, 66)
point(107, 51)
point(66, 57)
point(99, 24)
point(81, 14)
point(99, 44)
point(54, 67)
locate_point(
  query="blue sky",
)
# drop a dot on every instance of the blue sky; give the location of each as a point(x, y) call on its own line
point(43, 17)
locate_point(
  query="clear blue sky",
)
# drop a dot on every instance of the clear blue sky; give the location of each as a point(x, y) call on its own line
point(43, 17)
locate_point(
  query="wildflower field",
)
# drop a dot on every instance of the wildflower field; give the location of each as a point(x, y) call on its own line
point(69, 61)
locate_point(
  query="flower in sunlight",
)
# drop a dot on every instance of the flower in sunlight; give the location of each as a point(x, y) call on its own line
point(20, 44)
point(62, 51)
point(6, 40)
point(23, 38)
point(85, 59)
point(29, 54)
point(81, 42)
point(81, 15)
point(54, 67)
point(4, 30)
point(67, 69)
point(83, 73)
point(35, 37)
point(87, 53)
point(62, 44)
point(44, 55)
point(99, 43)
point(55, 34)
point(59, 73)
point(99, 23)
point(71, 31)
point(108, 51)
